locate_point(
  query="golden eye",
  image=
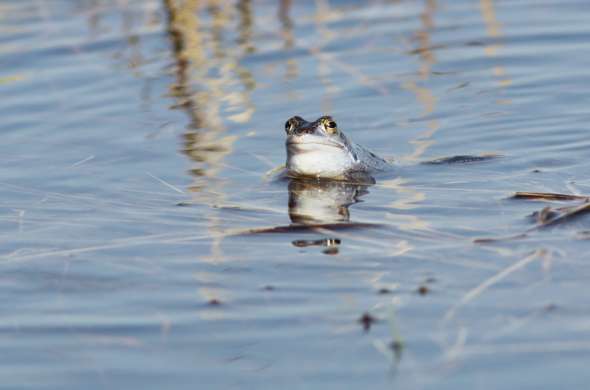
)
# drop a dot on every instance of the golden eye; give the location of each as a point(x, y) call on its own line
point(330, 126)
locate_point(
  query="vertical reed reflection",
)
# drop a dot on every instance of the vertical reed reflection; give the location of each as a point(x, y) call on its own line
point(211, 85)
point(408, 197)
point(214, 90)
point(133, 18)
point(322, 16)
point(494, 30)
point(245, 26)
point(287, 25)
point(424, 95)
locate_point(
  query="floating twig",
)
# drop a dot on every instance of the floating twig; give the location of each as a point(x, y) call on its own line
point(491, 240)
point(172, 187)
point(462, 159)
point(547, 196)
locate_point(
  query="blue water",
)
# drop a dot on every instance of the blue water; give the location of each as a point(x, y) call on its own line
point(144, 243)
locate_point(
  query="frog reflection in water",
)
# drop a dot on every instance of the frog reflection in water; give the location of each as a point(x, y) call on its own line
point(322, 204)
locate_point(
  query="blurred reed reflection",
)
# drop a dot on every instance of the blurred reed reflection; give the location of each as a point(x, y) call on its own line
point(494, 30)
point(288, 36)
point(424, 96)
point(214, 90)
point(407, 196)
point(211, 86)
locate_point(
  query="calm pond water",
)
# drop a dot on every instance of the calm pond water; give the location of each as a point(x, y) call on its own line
point(144, 244)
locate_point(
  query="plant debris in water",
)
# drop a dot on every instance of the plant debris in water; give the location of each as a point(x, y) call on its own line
point(564, 214)
point(367, 320)
point(544, 216)
point(397, 347)
point(462, 159)
point(548, 216)
point(548, 196)
point(423, 290)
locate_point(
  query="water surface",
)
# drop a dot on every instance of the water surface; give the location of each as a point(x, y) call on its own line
point(144, 245)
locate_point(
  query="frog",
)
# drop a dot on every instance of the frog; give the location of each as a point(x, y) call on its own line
point(320, 149)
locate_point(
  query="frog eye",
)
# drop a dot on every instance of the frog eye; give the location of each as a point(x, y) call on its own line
point(291, 124)
point(331, 127)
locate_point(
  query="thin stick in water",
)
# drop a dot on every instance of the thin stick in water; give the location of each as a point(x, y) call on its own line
point(172, 187)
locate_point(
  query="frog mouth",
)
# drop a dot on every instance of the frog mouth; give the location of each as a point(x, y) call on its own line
point(310, 146)
point(305, 143)
point(300, 143)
